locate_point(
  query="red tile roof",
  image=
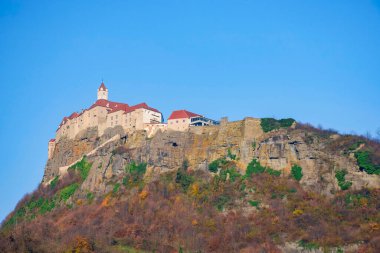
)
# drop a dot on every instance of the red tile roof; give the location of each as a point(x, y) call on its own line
point(52, 140)
point(73, 115)
point(142, 105)
point(109, 104)
point(102, 86)
point(182, 114)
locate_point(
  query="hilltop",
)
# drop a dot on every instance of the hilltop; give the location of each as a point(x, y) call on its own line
point(255, 185)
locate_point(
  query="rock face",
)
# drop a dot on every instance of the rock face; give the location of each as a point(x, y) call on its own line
point(201, 145)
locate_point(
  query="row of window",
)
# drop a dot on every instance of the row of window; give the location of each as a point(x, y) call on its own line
point(171, 122)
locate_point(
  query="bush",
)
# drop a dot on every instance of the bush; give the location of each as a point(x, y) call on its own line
point(273, 172)
point(68, 191)
point(214, 165)
point(297, 172)
point(234, 174)
point(230, 155)
point(185, 164)
point(269, 124)
point(136, 172)
point(364, 161)
point(54, 182)
point(355, 145)
point(221, 201)
point(254, 203)
point(308, 245)
point(184, 179)
point(340, 176)
point(254, 167)
point(47, 206)
point(83, 167)
point(116, 188)
point(90, 197)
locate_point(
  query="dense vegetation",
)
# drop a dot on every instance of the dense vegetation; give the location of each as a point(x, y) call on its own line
point(192, 211)
point(269, 124)
point(83, 167)
point(365, 162)
point(340, 175)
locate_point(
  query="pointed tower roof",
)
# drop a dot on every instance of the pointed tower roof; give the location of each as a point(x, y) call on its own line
point(102, 86)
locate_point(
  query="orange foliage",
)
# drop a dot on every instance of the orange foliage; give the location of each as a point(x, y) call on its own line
point(106, 201)
point(82, 245)
point(143, 194)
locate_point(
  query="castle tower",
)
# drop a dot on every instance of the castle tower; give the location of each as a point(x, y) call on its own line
point(103, 92)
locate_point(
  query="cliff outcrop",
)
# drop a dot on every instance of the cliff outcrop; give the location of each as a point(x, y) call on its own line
point(279, 150)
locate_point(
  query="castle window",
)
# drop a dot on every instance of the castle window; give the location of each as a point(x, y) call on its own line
point(183, 120)
point(176, 121)
point(111, 117)
point(115, 116)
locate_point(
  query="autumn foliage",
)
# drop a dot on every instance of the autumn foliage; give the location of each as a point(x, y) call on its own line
point(196, 211)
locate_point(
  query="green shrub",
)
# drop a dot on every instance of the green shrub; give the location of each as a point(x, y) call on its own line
point(136, 172)
point(230, 155)
point(68, 191)
point(355, 145)
point(125, 181)
point(340, 176)
point(364, 161)
point(308, 245)
point(221, 201)
point(269, 124)
point(273, 172)
point(214, 165)
point(254, 167)
point(234, 174)
point(47, 205)
point(288, 122)
point(116, 188)
point(54, 182)
point(254, 203)
point(185, 164)
point(17, 216)
point(83, 167)
point(296, 172)
point(34, 204)
point(184, 179)
point(90, 197)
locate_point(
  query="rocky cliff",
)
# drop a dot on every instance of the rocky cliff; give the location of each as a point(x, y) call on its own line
point(200, 146)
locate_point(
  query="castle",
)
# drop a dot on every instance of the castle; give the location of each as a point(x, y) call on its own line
point(105, 114)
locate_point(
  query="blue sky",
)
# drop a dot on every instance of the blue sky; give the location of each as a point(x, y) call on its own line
point(315, 61)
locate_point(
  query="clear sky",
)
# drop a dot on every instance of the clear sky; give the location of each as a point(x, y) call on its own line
point(315, 61)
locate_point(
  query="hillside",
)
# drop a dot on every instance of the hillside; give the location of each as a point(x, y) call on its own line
point(245, 186)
